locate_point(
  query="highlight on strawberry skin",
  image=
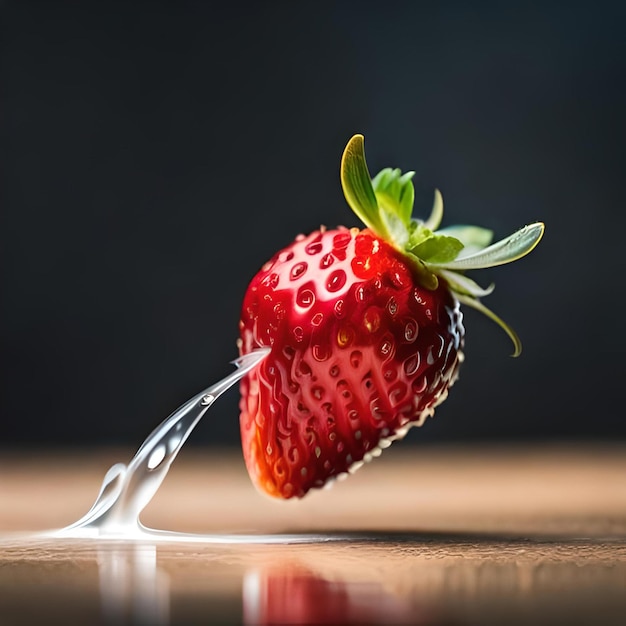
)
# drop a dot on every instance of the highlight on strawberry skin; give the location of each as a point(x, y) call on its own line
point(365, 330)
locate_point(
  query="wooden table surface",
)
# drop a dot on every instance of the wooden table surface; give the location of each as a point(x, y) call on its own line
point(423, 535)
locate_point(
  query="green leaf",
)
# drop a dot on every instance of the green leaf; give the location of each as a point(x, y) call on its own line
point(436, 213)
point(425, 276)
point(461, 284)
point(393, 224)
point(385, 204)
point(357, 186)
point(407, 195)
point(479, 306)
point(395, 192)
point(507, 250)
point(418, 233)
point(473, 238)
point(381, 180)
point(438, 249)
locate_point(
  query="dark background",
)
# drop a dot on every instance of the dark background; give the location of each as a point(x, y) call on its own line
point(154, 155)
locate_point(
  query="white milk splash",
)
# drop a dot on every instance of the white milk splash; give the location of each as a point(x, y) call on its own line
point(127, 489)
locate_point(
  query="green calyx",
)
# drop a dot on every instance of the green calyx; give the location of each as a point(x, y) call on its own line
point(385, 205)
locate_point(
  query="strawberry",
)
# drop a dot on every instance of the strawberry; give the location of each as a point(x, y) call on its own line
point(365, 331)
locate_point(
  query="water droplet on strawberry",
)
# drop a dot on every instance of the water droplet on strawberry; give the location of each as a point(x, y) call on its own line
point(305, 296)
point(386, 347)
point(313, 248)
point(417, 296)
point(326, 261)
point(345, 336)
point(399, 276)
point(298, 270)
point(411, 330)
point(371, 320)
point(340, 309)
point(361, 293)
point(336, 281)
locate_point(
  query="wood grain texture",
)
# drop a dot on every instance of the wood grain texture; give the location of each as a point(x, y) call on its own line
point(441, 535)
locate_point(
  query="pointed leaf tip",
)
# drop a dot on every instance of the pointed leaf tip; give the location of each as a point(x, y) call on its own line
point(357, 185)
point(507, 250)
point(436, 214)
point(395, 193)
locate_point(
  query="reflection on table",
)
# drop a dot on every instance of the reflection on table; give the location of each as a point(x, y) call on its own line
point(454, 536)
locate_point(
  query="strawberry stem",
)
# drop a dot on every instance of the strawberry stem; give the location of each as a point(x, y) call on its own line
point(385, 204)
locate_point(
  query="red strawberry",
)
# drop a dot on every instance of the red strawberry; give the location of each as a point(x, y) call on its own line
point(364, 328)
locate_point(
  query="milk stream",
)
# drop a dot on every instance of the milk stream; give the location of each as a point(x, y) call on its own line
point(133, 589)
point(127, 489)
